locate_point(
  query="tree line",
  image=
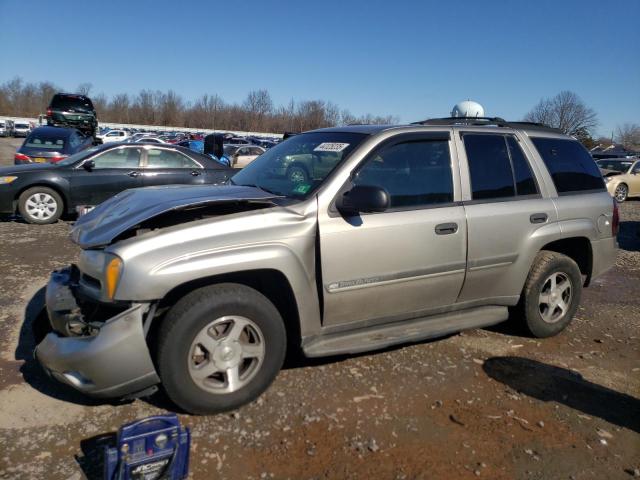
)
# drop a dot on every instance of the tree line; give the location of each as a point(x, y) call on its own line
point(257, 113)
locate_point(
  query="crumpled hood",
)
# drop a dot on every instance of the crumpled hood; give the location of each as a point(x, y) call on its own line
point(131, 207)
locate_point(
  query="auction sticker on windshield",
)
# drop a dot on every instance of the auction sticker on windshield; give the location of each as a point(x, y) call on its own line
point(331, 147)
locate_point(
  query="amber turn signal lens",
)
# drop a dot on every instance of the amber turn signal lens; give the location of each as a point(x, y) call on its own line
point(113, 275)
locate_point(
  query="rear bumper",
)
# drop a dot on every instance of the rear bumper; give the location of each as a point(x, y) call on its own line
point(114, 363)
point(604, 255)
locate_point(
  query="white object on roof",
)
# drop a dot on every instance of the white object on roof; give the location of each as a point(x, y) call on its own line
point(468, 108)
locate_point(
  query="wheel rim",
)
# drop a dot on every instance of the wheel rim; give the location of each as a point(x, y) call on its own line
point(621, 193)
point(555, 297)
point(297, 176)
point(41, 206)
point(226, 354)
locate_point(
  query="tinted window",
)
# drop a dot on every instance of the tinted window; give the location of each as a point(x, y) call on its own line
point(414, 173)
point(569, 164)
point(119, 158)
point(489, 166)
point(168, 159)
point(75, 102)
point(525, 184)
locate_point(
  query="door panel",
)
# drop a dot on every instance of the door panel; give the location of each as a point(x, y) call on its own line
point(115, 170)
point(391, 264)
point(407, 260)
point(169, 167)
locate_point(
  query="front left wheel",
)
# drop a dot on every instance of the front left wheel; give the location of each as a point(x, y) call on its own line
point(220, 347)
point(40, 205)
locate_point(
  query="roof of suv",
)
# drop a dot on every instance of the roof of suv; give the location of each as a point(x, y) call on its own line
point(447, 122)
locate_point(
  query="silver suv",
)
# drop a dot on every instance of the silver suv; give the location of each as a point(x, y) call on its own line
point(394, 234)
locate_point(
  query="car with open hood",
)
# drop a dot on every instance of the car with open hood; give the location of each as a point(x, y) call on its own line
point(42, 192)
point(405, 233)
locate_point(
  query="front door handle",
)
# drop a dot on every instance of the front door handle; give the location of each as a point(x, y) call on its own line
point(195, 173)
point(446, 228)
point(134, 174)
point(538, 218)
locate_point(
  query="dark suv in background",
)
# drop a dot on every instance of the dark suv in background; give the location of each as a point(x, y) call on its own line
point(71, 110)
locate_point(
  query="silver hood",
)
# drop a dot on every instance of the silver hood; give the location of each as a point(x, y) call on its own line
point(127, 209)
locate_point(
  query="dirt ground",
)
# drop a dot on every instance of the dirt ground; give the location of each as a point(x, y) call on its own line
point(483, 403)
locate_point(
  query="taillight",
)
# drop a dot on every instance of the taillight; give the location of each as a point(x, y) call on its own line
point(57, 159)
point(615, 221)
point(49, 112)
point(21, 157)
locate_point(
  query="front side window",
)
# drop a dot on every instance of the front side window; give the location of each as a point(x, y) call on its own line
point(489, 167)
point(415, 174)
point(159, 158)
point(119, 158)
point(570, 165)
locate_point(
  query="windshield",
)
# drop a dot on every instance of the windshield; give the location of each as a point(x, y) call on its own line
point(79, 156)
point(616, 165)
point(298, 166)
point(22, 125)
point(229, 150)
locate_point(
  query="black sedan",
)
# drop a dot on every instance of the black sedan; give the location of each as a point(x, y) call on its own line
point(41, 193)
point(51, 144)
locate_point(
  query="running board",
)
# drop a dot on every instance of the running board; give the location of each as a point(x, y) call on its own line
point(382, 336)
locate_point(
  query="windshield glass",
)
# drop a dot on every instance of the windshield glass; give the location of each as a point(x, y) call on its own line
point(616, 165)
point(297, 166)
point(79, 156)
point(22, 125)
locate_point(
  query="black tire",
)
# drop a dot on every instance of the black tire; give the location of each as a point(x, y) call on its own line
point(530, 308)
point(297, 174)
point(621, 193)
point(50, 216)
point(194, 312)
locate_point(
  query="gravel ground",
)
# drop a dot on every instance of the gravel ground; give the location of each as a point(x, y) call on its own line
point(483, 403)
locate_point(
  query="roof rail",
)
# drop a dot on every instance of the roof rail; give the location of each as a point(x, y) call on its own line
point(476, 121)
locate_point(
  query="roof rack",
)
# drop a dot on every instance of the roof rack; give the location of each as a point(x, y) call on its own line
point(479, 121)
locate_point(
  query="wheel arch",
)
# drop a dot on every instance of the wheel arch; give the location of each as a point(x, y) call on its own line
point(577, 248)
point(52, 185)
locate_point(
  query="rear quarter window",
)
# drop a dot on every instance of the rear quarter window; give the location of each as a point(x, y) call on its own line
point(570, 165)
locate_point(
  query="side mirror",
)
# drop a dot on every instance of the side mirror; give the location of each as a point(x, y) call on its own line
point(89, 165)
point(363, 199)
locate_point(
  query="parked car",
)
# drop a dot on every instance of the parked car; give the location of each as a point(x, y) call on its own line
point(74, 111)
point(622, 176)
point(114, 136)
point(415, 232)
point(21, 129)
point(242, 155)
point(6, 128)
point(51, 144)
point(42, 193)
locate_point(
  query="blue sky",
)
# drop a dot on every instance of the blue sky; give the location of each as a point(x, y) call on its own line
point(412, 59)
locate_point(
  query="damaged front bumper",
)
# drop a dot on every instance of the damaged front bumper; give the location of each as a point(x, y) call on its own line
point(113, 363)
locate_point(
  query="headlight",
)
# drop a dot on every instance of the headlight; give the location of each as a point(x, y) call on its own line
point(607, 179)
point(7, 179)
point(112, 276)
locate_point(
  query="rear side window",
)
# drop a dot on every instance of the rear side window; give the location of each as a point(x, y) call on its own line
point(570, 165)
point(489, 167)
point(415, 174)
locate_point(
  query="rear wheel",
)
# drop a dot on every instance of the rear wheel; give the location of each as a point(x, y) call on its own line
point(297, 174)
point(621, 193)
point(40, 205)
point(551, 294)
point(220, 347)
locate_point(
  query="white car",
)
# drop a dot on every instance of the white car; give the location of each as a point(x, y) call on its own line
point(114, 136)
point(21, 129)
point(242, 155)
point(148, 140)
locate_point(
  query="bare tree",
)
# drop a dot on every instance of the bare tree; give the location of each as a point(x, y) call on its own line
point(628, 134)
point(84, 88)
point(566, 111)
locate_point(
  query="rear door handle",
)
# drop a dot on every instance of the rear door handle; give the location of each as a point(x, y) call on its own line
point(538, 218)
point(134, 174)
point(195, 173)
point(446, 228)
